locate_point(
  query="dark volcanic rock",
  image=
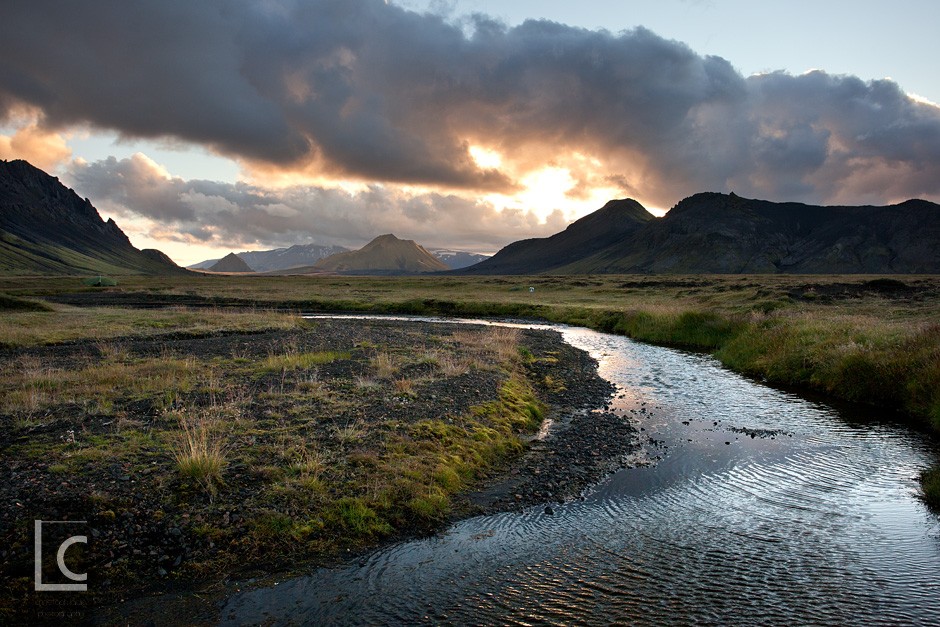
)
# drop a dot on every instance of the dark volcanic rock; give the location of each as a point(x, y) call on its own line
point(582, 444)
point(718, 233)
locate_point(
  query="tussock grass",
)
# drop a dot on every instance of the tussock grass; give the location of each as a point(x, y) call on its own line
point(113, 351)
point(366, 383)
point(33, 388)
point(350, 432)
point(199, 450)
point(452, 365)
point(301, 456)
point(503, 341)
point(405, 387)
point(499, 342)
point(385, 365)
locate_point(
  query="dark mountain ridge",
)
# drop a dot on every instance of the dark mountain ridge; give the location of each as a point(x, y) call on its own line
point(606, 226)
point(727, 234)
point(46, 227)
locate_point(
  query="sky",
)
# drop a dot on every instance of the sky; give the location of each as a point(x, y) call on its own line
point(223, 125)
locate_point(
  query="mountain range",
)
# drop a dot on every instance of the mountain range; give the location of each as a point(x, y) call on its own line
point(279, 258)
point(385, 254)
point(302, 255)
point(726, 234)
point(594, 232)
point(46, 228)
point(457, 259)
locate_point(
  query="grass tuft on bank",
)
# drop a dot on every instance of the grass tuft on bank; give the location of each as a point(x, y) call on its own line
point(199, 450)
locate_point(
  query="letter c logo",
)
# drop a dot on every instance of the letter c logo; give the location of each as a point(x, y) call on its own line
point(60, 558)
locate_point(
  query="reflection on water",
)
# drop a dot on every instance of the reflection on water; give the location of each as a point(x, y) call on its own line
point(755, 507)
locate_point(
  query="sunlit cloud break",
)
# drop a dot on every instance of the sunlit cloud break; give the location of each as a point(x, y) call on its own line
point(242, 215)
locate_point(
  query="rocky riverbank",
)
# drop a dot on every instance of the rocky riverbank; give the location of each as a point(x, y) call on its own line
point(578, 445)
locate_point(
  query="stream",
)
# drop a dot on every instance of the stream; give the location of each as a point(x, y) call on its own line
point(748, 506)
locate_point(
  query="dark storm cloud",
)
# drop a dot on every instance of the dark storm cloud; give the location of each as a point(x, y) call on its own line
point(253, 217)
point(360, 88)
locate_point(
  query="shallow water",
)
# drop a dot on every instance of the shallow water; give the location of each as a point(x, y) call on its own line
point(813, 520)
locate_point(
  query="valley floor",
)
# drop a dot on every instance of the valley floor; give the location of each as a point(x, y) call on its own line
point(201, 425)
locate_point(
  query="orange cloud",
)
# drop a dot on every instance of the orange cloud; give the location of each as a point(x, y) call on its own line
point(44, 149)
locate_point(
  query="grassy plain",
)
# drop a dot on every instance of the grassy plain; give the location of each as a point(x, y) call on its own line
point(859, 338)
point(866, 339)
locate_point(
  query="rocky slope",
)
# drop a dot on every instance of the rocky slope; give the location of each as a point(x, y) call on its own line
point(46, 228)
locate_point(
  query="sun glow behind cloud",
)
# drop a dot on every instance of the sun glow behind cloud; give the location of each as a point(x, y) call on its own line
point(548, 189)
point(544, 190)
point(486, 158)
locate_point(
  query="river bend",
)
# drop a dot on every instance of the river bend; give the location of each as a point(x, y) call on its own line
point(748, 506)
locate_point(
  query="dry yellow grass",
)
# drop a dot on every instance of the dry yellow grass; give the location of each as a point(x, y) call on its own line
point(405, 387)
point(451, 365)
point(199, 449)
point(385, 365)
